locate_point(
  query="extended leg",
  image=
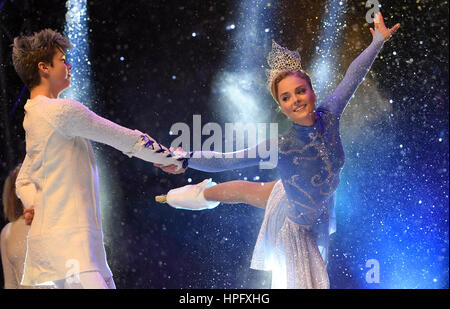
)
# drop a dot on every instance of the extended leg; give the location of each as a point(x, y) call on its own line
point(207, 195)
point(240, 191)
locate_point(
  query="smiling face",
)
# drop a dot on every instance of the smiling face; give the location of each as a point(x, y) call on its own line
point(297, 99)
point(59, 72)
point(56, 74)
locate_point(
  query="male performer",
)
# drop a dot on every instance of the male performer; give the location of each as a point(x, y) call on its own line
point(58, 177)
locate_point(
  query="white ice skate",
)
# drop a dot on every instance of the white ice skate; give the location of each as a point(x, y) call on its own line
point(190, 197)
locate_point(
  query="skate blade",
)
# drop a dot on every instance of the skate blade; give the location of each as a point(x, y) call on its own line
point(161, 199)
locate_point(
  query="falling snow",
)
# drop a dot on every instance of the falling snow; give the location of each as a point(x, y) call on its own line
point(151, 64)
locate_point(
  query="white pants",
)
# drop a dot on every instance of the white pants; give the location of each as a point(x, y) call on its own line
point(86, 280)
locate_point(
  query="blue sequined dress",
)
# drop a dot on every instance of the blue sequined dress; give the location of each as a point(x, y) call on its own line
point(299, 215)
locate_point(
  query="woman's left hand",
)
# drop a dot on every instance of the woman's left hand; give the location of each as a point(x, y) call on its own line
point(171, 169)
point(380, 26)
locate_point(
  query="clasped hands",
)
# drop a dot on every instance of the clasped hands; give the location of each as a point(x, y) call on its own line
point(172, 169)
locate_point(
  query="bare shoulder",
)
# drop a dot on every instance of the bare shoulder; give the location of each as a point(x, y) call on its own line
point(5, 231)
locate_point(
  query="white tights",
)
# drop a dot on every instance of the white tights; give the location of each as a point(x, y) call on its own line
point(87, 280)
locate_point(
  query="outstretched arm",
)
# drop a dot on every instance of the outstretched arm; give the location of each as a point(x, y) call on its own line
point(338, 100)
point(264, 154)
point(210, 161)
point(73, 119)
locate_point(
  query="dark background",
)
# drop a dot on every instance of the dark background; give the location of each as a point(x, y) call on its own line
point(152, 246)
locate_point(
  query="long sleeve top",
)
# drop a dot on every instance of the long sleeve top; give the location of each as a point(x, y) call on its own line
point(310, 158)
point(59, 177)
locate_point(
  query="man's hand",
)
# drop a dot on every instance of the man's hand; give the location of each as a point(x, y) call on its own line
point(28, 214)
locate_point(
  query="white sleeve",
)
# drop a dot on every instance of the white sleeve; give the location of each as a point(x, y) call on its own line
point(72, 118)
point(25, 187)
point(8, 270)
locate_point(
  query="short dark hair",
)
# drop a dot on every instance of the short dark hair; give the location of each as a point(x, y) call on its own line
point(28, 51)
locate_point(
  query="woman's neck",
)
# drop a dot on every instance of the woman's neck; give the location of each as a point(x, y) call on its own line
point(308, 121)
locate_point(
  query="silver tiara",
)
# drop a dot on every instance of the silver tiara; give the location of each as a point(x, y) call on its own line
point(281, 59)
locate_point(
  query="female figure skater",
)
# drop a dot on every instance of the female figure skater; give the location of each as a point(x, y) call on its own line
point(299, 215)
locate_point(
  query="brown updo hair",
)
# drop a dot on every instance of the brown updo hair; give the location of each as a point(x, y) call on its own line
point(12, 206)
point(282, 75)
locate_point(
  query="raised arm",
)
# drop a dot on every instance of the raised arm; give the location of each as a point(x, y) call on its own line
point(72, 119)
point(338, 100)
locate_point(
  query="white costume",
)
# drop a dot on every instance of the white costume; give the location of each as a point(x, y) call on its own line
point(59, 177)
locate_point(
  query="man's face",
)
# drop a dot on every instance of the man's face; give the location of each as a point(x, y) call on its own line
point(59, 73)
